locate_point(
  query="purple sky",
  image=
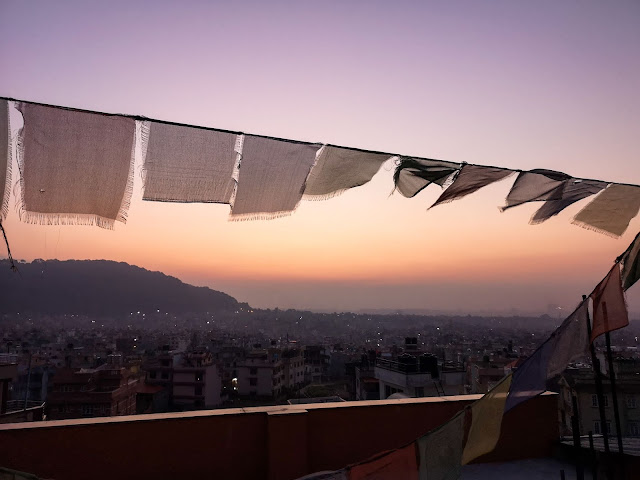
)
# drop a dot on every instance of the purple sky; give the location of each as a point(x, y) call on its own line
point(542, 84)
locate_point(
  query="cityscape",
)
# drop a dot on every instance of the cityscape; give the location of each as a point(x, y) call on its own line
point(61, 366)
point(319, 240)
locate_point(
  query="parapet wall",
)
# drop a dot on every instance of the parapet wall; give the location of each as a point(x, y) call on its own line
point(271, 443)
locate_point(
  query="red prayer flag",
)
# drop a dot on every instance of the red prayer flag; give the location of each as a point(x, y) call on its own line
point(401, 463)
point(609, 308)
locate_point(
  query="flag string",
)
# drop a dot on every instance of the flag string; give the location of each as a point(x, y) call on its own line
point(280, 139)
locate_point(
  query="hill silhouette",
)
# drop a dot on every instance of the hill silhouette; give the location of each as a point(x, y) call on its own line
point(101, 287)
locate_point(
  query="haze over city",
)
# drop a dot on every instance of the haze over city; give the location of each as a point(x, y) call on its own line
point(423, 79)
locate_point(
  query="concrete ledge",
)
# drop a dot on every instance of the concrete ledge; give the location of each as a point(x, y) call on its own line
point(272, 443)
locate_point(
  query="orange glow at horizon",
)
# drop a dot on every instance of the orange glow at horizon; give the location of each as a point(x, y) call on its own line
point(508, 84)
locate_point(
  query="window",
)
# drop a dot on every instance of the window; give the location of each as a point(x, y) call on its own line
point(164, 375)
point(164, 363)
point(597, 430)
point(419, 391)
point(198, 390)
point(594, 403)
point(253, 382)
point(87, 409)
point(594, 400)
point(253, 371)
point(199, 376)
point(631, 401)
point(152, 375)
point(634, 429)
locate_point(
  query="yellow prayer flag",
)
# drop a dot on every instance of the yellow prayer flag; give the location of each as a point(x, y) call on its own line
point(486, 420)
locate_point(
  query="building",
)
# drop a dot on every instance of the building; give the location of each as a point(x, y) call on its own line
point(8, 370)
point(151, 399)
point(415, 373)
point(228, 357)
point(581, 383)
point(413, 376)
point(316, 360)
point(32, 382)
point(484, 378)
point(293, 368)
point(261, 374)
point(367, 386)
point(159, 369)
point(104, 391)
point(196, 381)
point(191, 380)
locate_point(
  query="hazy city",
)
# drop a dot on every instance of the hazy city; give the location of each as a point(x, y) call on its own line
point(336, 241)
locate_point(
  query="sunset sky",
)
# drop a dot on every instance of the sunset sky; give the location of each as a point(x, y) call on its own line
point(546, 84)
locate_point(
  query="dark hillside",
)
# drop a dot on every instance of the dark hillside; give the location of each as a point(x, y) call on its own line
point(101, 287)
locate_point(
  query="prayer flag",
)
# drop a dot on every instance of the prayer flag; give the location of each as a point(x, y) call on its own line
point(76, 167)
point(188, 164)
point(572, 191)
point(486, 422)
point(326, 475)
point(535, 186)
point(5, 158)
point(611, 211)
point(338, 169)
point(530, 379)
point(412, 175)
point(400, 463)
point(631, 264)
point(471, 179)
point(609, 307)
point(440, 451)
point(570, 341)
point(271, 178)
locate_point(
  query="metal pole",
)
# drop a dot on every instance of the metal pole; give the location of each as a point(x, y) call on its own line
point(614, 394)
point(600, 395)
point(594, 464)
point(26, 393)
point(598, 378)
point(575, 427)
